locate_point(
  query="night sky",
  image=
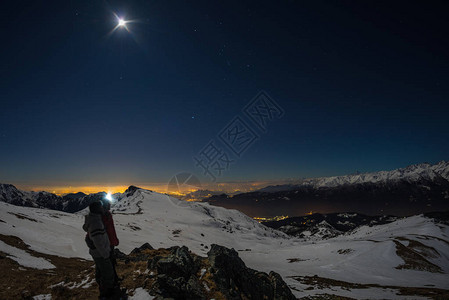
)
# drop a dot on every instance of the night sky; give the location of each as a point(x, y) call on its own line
point(364, 86)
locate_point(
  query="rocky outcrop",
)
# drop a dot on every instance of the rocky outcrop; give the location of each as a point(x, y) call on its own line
point(130, 190)
point(236, 281)
point(177, 273)
point(139, 250)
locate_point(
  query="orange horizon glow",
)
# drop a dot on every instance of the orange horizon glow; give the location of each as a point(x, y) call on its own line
point(88, 189)
point(62, 189)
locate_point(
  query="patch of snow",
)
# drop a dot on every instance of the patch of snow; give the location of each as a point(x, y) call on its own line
point(88, 284)
point(56, 284)
point(85, 283)
point(24, 258)
point(345, 223)
point(42, 297)
point(206, 286)
point(140, 294)
point(346, 215)
point(307, 233)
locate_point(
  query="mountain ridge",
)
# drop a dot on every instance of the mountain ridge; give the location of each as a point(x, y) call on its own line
point(412, 190)
point(72, 202)
point(411, 173)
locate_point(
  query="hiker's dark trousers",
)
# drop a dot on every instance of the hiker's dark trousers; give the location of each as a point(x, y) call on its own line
point(104, 273)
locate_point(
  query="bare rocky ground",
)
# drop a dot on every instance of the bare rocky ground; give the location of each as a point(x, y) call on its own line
point(18, 282)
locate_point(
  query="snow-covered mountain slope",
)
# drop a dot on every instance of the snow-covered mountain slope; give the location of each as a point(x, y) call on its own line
point(379, 255)
point(169, 221)
point(144, 216)
point(411, 173)
point(45, 230)
point(411, 252)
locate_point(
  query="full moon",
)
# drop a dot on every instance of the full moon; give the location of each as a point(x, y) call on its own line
point(121, 22)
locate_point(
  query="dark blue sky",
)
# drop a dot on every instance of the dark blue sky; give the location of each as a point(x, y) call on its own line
point(364, 86)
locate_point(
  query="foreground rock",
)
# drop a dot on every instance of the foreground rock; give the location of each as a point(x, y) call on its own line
point(235, 280)
point(179, 274)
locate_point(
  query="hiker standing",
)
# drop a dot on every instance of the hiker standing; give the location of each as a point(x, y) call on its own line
point(108, 223)
point(100, 248)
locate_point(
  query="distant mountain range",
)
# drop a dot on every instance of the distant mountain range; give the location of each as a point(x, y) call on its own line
point(407, 191)
point(411, 174)
point(69, 203)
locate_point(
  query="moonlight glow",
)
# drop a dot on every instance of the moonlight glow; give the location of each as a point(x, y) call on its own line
point(121, 22)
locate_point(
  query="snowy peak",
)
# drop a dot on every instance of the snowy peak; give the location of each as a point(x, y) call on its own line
point(412, 173)
point(10, 194)
point(130, 190)
point(442, 168)
point(320, 231)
